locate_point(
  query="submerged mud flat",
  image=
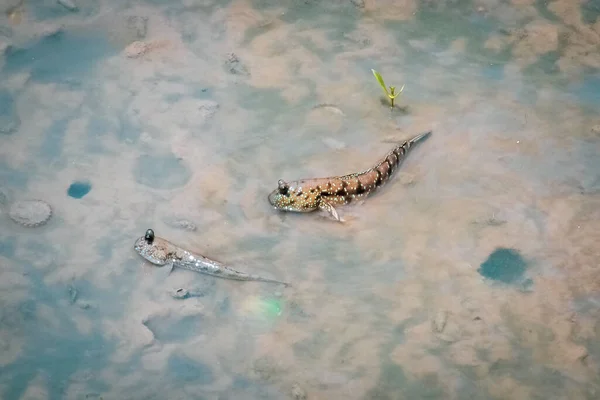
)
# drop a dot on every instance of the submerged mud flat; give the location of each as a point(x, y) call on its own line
point(472, 274)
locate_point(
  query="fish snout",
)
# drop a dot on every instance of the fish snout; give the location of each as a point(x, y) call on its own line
point(274, 198)
point(139, 244)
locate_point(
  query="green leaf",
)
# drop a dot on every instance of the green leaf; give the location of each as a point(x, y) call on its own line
point(380, 80)
point(395, 94)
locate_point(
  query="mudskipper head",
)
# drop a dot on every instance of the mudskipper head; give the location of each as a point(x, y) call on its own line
point(152, 248)
point(290, 197)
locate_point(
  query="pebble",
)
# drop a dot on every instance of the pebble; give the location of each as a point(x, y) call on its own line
point(596, 129)
point(180, 293)
point(136, 49)
point(439, 322)
point(330, 107)
point(298, 393)
point(205, 287)
point(235, 66)
point(180, 223)
point(406, 178)
point(30, 213)
point(208, 108)
point(333, 143)
point(358, 3)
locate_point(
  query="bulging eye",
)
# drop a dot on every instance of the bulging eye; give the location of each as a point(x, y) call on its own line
point(149, 236)
point(284, 188)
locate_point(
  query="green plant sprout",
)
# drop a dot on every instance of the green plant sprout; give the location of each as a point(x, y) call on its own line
point(391, 94)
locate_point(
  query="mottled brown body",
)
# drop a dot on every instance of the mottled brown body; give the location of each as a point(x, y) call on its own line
point(307, 195)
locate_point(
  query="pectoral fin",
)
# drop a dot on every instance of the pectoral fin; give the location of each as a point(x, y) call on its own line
point(325, 206)
point(165, 271)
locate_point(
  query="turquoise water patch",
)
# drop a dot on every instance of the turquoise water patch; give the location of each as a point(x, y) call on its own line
point(267, 100)
point(52, 146)
point(79, 189)
point(504, 265)
point(588, 91)
point(161, 171)
point(8, 246)
point(546, 63)
point(336, 17)
point(54, 351)
point(47, 10)
point(542, 7)
point(459, 21)
point(173, 328)
point(9, 120)
point(61, 56)
point(493, 71)
point(12, 177)
point(590, 11)
point(185, 369)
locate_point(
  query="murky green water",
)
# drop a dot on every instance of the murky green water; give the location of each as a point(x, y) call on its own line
point(472, 274)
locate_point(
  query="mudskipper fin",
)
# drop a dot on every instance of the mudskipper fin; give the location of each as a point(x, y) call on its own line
point(325, 206)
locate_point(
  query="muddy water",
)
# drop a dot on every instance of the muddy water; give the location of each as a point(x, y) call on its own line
point(473, 274)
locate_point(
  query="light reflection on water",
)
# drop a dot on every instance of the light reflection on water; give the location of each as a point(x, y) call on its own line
point(411, 298)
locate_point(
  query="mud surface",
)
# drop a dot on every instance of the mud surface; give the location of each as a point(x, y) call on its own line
point(473, 274)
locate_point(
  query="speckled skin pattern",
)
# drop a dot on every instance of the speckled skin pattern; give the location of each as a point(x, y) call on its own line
point(307, 195)
point(161, 252)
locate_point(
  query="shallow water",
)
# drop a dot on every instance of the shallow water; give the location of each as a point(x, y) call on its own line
point(472, 274)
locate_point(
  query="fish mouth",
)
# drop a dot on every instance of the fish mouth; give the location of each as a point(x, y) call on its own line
point(143, 249)
point(273, 199)
point(138, 246)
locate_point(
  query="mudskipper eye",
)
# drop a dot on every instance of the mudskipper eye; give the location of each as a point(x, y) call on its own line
point(149, 237)
point(283, 187)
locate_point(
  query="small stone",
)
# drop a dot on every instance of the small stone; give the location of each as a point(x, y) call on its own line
point(136, 49)
point(68, 4)
point(179, 293)
point(333, 144)
point(405, 178)
point(358, 3)
point(596, 129)
point(330, 107)
point(298, 393)
point(439, 322)
point(30, 213)
point(235, 66)
point(208, 109)
point(180, 223)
